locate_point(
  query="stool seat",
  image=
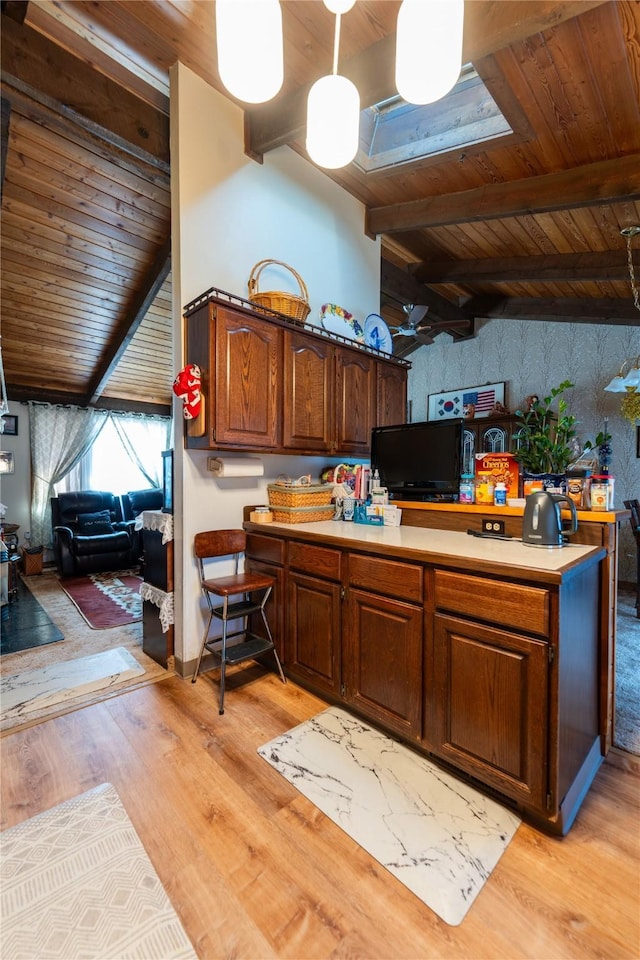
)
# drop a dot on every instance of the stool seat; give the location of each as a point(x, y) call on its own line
point(238, 583)
point(253, 589)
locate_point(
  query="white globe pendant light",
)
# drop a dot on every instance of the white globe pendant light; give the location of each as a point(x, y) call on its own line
point(333, 121)
point(333, 109)
point(250, 48)
point(428, 48)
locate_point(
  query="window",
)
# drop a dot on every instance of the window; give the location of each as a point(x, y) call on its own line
point(126, 455)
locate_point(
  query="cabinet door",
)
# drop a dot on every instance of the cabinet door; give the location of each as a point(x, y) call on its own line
point(488, 693)
point(313, 632)
point(307, 414)
point(391, 405)
point(274, 608)
point(355, 401)
point(248, 387)
point(382, 653)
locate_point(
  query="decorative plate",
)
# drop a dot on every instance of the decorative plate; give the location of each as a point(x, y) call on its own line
point(335, 319)
point(377, 333)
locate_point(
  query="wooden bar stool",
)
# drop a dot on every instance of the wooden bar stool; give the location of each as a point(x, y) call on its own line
point(254, 590)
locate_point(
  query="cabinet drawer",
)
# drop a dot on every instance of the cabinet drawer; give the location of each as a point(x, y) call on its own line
point(271, 549)
point(321, 561)
point(507, 604)
point(395, 579)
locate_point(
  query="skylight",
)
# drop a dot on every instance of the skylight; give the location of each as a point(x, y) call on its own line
point(395, 132)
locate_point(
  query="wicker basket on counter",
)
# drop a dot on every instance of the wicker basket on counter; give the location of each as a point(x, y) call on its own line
point(310, 514)
point(290, 304)
point(302, 495)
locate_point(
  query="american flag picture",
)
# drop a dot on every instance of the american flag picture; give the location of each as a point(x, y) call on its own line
point(481, 399)
point(444, 406)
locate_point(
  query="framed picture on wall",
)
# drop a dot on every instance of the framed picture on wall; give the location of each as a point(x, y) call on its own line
point(10, 425)
point(445, 406)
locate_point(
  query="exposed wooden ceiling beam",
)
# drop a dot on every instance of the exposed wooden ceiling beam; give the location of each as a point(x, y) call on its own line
point(602, 182)
point(156, 275)
point(489, 26)
point(34, 65)
point(575, 310)
point(569, 267)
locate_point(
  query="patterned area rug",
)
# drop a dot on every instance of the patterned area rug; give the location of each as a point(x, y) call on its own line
point(77, 883)
point(106, 600)
point(435, 834)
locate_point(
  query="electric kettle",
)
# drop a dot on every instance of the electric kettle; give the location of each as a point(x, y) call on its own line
point(542, 524)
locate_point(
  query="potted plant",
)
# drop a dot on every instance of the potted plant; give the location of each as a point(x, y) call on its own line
point(546, 440)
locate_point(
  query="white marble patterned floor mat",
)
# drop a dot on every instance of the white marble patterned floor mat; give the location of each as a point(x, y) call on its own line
point(25, 692)
point(436, 834)
point(77, 884)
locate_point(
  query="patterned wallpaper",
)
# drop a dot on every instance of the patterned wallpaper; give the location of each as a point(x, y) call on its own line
point(532, 357)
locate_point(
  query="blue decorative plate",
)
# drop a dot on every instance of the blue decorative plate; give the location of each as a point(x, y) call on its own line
point(377, 333)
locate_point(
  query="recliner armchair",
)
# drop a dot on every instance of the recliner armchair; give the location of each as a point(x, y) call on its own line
point(89, 534)
point(133, 504)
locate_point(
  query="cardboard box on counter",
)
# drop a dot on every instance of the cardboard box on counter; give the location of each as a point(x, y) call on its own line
point(503, 468)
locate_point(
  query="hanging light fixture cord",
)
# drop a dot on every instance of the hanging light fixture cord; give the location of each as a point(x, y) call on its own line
point(628, 233)
point(336, 44)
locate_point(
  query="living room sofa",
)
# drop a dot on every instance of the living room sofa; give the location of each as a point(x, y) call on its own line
point(89, 533)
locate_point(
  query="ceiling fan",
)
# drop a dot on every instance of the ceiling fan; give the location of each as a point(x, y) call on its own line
point(413, 327)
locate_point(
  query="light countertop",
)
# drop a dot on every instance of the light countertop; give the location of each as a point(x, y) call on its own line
point(431, 544)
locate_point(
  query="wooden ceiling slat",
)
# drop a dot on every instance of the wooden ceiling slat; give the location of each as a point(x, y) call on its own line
point(141, 179)
point(83, 243)
point(62, 258)
point(62, 268)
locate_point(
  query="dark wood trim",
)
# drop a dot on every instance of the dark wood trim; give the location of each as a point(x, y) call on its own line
point(50, 75)
point(613, 312)
point(603, 182)
point(567, 267)
point(149, 288)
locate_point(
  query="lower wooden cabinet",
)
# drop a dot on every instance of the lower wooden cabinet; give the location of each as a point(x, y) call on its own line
point(489, 696)
point(274, 609)
point(382, 660)
point(494, 675)
point(314, 609)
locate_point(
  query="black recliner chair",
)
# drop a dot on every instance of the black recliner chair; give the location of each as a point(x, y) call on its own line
point(89, 534)
point(133, 503)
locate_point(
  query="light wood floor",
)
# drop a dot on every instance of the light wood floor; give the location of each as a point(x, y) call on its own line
point(256, 871)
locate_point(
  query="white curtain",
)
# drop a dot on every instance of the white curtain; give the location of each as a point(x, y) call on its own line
point(59, 436)
point(135, 431)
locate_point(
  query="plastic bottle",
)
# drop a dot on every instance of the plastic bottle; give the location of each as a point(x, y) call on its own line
point(467, 488)
point(500, 495)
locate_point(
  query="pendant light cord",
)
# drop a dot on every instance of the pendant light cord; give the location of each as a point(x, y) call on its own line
point(336, 44)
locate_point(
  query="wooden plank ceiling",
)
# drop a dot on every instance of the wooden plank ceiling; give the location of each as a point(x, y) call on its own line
point(526, 228)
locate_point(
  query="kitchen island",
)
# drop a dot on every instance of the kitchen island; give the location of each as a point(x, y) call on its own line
point(484, 654)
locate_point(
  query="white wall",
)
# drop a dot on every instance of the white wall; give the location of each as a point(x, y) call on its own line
point(228, 213)
point(538, 356)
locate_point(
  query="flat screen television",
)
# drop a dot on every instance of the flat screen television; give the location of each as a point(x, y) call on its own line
point(419, 461)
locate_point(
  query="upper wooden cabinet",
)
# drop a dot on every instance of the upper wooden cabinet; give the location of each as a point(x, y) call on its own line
point(269, 384)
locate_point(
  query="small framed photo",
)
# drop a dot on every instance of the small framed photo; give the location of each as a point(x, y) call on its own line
point(10, 425)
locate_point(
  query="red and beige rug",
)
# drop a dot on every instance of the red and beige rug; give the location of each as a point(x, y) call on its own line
point(106, 600)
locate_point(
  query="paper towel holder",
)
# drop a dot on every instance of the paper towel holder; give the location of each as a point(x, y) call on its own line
point(236, 467)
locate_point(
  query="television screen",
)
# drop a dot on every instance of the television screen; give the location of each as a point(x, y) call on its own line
point(419, 461)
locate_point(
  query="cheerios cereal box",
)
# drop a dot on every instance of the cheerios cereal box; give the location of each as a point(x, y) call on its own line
point(503, 467)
